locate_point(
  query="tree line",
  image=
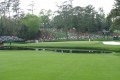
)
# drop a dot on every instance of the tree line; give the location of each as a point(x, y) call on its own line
point(14, 22)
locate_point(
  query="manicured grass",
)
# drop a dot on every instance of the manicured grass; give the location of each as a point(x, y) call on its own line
point(42, 65)
point(97, 45)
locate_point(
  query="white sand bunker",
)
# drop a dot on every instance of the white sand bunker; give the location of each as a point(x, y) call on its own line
point(111, 43)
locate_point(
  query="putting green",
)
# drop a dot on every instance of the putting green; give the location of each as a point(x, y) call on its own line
point(42, 65)
point(93, 45)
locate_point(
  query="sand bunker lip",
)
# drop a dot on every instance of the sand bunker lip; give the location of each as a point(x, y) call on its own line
point(111, 43)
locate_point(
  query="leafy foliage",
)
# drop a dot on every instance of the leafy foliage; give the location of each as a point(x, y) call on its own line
point(66, 18)
point(30, 25)
point(115, 15)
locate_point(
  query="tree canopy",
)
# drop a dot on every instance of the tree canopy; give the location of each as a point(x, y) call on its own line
point(30, 26)
point(65, 18)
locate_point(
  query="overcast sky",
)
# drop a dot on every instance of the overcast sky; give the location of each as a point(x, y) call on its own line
point(51, 4)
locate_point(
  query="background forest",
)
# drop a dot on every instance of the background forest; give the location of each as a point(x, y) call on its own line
point(67, 22)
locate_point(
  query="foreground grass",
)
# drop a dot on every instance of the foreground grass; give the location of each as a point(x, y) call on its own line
point(97, 45)
point(41, 65)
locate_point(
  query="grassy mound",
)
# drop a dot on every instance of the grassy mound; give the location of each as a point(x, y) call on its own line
point(93, 45)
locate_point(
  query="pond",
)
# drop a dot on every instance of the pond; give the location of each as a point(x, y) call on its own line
point(61, 50)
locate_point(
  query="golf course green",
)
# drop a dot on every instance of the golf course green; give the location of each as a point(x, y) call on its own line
point(93, 45)
point(47, 65)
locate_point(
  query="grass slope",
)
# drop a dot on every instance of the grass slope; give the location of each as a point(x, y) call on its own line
point(41, 65)
point(98, 45)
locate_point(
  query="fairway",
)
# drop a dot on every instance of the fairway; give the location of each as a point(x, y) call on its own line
point(43, 65)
